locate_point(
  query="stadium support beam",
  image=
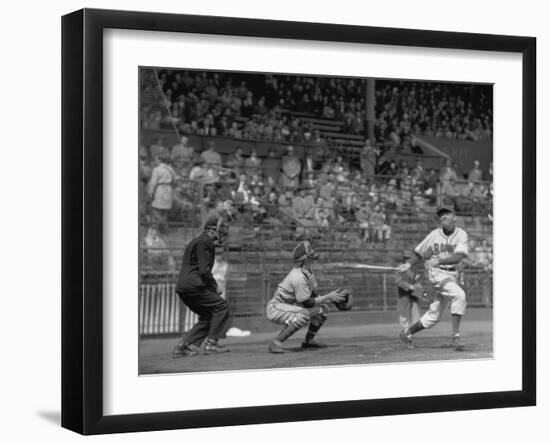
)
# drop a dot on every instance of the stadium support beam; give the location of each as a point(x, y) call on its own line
point(369, 100)
point(424, 144)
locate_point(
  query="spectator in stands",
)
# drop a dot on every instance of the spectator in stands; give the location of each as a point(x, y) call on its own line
point(235, 161)
point(430, 186)
point(308, 165)
point(228, 211)
point(210, 196)
point(391, 170)
point(160, 189)
point(143, 153)
point(224, 128)
point(255, 180)
point(368, 158)
point(447, 173)
point(144, 177)
point(459, 174)
point(200, 172)
point(310, 182)
point(377, 221)
point(211, 157)
point(328, 188)
point(450, 193)
point(340, 168)
point(158, 148)
point(272, 166)
point(183, 156)
point(406, 192)
point(157, 251)
point(362, 216)
point(271, 206)
point(320, 148)
point(321, 220)
point(234, 131)
point(291, 169)
point(484, 255)
point(303, 206)
point(475, 175)
point(490, 172)
point(328, 205)
point(479, 197)
point(285, 204)
point(243, 190)
point(183, 207)
point(418, 173)
point(328, 108)
point(391, 197)
point(419, 203)
point(253, 164)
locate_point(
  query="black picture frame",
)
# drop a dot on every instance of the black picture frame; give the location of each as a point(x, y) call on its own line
point(82, 220)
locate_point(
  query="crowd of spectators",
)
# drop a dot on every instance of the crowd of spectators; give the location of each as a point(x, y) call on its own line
point(268, 107)
point(313, 196)
point(444, 110)
point(326, 188)
point(245, 106)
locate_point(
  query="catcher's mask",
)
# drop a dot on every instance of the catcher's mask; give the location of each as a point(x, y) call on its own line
point(304, 251)
point(220, 228)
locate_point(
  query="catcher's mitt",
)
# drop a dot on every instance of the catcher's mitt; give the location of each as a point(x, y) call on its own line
point(347, 303)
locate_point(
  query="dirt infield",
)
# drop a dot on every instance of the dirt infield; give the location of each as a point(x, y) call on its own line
point(354, 344)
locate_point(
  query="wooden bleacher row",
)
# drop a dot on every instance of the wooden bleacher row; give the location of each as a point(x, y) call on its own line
point(331, 130)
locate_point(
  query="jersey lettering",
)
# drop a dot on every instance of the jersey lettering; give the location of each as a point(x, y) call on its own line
point(437, 244)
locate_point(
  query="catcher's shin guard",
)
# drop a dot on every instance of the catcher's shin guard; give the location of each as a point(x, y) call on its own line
point(289, 329)
point(314, 326)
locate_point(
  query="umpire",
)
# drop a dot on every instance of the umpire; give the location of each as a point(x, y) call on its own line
point(198, 290)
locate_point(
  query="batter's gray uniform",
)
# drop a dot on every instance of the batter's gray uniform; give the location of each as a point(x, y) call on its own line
point(444, 277)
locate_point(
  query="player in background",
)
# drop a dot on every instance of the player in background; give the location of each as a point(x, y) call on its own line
point(408, 286)
point(295, 303)
point(198, 290)
point(442, 250)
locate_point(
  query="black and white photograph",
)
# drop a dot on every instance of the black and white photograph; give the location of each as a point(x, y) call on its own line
point(255, 222)
point(293, 220)
point(288, 221)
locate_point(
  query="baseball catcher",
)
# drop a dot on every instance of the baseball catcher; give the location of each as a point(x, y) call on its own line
point(295, 303)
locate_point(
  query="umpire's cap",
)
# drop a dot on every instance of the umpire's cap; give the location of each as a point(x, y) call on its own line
point(303, 251)
point(214, 222)
point(445, 210)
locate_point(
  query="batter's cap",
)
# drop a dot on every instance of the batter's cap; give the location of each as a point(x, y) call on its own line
point(445, 210)
point(407, 253)
point(303, 251)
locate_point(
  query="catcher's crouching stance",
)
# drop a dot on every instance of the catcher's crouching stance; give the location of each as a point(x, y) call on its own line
point(295, 303)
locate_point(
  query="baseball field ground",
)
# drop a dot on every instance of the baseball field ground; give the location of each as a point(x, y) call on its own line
point(369, 343)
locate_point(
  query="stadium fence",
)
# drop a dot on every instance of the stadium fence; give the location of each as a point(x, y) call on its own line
point(161, 312)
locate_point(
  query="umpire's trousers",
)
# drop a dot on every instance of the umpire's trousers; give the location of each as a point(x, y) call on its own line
point(213, 313)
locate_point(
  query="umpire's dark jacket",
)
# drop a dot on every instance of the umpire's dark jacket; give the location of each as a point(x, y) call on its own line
point(196, 268)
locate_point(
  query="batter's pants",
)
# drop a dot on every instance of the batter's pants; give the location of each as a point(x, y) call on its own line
point(213, 312)
point(447, 292)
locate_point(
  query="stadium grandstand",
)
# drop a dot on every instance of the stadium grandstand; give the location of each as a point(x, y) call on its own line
point(358, 166)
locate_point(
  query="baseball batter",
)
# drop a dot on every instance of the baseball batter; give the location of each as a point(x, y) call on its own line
point(442, 250)
point(295, 303)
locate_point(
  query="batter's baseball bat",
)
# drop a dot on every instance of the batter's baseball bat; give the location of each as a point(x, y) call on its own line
point(364, 266)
